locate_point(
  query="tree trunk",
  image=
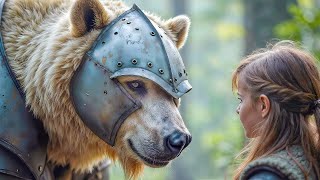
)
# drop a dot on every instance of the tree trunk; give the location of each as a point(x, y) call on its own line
point(179, 169)
point(260, 18)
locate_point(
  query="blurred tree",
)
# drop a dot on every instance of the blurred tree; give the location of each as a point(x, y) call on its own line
point(303, 26)
point(260, 18)
point(178, 170)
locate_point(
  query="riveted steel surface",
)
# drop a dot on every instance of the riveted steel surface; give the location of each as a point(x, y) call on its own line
point(130, 45)
point(143, 49)
point(12, 166)
point(101, 102)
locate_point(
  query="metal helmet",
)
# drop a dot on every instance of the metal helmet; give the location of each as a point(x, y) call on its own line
point(130, 45)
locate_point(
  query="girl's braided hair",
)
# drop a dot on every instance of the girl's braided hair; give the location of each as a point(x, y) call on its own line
point(289, 77)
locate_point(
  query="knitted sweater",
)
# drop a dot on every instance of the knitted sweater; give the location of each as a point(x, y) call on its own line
point(284, 164)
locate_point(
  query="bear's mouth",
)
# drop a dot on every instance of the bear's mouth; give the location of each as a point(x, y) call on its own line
point(150, 161)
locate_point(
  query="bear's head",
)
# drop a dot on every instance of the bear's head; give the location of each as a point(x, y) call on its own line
point(152, 135)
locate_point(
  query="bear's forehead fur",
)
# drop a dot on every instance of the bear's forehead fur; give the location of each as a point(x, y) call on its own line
point(44, 57)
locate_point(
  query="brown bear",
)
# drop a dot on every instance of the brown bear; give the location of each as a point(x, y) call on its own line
point(52, 48)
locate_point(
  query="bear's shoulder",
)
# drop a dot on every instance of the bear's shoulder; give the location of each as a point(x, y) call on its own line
point(12, 167)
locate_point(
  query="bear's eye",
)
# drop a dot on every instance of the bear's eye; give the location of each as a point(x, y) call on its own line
point(137, 86)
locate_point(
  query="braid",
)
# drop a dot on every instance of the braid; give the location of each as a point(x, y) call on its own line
point(290, 99)
point(290, 79)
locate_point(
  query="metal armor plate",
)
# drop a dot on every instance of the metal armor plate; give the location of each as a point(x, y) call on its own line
point(130, 45)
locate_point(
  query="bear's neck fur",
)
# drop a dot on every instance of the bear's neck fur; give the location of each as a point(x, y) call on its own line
point(44, 57)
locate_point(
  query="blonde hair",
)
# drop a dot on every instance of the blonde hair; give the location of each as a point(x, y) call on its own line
point(288, 76)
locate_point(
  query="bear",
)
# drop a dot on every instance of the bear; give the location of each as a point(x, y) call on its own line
point(45, 42)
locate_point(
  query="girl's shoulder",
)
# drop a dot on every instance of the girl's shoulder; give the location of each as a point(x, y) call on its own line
point(286, 164)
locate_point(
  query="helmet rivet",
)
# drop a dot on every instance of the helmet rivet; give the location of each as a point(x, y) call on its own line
point(103, 42)
point(175, 79)
point(161, 71)
point(153, 34)
point(123, 19)
point(170, 80)
point(150, 64)
point(137, 29)
point(134, 61)
point(115, 33)
point(180, 74)
point(119, 64)
point(129, 22)
point(40, 168)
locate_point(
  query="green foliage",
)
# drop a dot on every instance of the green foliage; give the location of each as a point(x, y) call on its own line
point(229, 31)
point(224, 144)
point(303, 26)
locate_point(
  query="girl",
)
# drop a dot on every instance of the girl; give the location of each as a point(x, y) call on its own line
point(279, 92)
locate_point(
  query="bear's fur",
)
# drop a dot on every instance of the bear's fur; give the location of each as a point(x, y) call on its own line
point(45, 41)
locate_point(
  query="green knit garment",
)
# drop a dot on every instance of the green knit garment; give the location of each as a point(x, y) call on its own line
point(284, 163)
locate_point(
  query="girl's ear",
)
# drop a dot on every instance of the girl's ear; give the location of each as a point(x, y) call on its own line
point(87, 15)
point(265, 105)
point(179, 27)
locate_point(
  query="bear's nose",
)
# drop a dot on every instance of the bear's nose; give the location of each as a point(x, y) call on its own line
point(177, 141)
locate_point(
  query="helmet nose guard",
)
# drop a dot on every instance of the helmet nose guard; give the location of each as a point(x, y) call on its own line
point(130, 45)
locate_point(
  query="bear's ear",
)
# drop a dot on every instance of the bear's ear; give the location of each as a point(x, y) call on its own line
point(179, 28)
point(87, 15)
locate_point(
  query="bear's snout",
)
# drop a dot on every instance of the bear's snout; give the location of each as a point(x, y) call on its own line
point(176, 142)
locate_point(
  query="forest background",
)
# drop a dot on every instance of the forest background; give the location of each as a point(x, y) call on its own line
point(222, 32)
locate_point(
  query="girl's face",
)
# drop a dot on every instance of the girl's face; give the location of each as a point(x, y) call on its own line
point(249, 110)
